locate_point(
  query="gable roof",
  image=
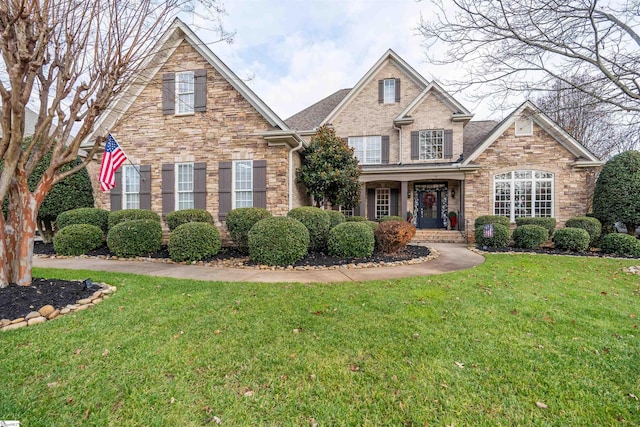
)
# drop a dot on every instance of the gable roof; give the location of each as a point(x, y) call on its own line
point(389, 55)
point(311, 117)
point(475, 133)
point(584, 157)
point(458, 110)
point(159, 54)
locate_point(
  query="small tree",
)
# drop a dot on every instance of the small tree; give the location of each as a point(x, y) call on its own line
point(616, 196)
point(330, 171)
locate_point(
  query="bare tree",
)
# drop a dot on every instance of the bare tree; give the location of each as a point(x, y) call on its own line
point(70, 58)
point(512, 46)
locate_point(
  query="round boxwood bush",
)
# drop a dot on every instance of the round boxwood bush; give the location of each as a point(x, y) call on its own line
point(335, 218)
point(355, 218)
point(500, 237)
point(529, 236)
point(239, 222)
point(119, 217)
point(317, 222)
point(93, 216)
point(136, 237)
point(620, 244)
point(177, 218)
point(571, 239)
point(351, 239)
point(589, 224)
point(77, 239)
point(194, 241)
point(546, 222)
point(491, 219)
point(391, 218)
point(278, 241)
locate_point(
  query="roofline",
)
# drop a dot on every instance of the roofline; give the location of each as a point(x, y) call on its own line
point(455, 106)
point(544, 121)
point(455, 167)
point(389, 54)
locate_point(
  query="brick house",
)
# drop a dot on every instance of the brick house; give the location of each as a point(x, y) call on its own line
point(422, 154)
point(197, 137)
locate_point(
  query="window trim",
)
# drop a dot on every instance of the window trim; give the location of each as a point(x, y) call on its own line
point(234, 190)
point(518, 125)
point(421, 153)
point(391, 91)
point(366, 141)
point(379, 192)
point(534, 199)
point(177, 192)
point(178, 102)
point(125, 193)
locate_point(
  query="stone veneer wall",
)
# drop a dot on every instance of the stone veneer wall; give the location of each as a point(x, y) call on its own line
point(573, 187)
point(228, 130)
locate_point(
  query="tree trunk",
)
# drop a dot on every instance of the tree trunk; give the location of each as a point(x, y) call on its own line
point(46, 231)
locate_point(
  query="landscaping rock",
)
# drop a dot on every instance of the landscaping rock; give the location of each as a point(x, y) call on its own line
point(32, 315)
point(53, 314)
point(36, 320)
point(13, 326)
point(46, 310)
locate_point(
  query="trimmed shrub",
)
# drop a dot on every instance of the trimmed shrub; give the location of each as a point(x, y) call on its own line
point(500, 237)
point(351, 239)
point(278, 241)
point(529, 236)
point(491, 219)
point(77, 239)
point(119, 217)
point(546, 222)
point(194, 241)
point(391, 236)
point(589, 224)
point(373, 224)
point(620, 244)
point(571, 239)
point(317, 222)
point(136, 237)
point(177, 218)
point(391, 218)
point(92, 216)
point(239, 221)
point(335, 218)
point(355, 219)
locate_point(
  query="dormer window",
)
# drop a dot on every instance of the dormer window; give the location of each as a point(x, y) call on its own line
point(388, 91)
point(524, 126)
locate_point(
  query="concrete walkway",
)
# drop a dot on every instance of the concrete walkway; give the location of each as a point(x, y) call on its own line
point(453, 257)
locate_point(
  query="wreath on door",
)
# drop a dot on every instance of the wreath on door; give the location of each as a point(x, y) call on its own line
point(428, 200)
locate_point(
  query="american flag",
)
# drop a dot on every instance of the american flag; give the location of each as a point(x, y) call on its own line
point(112, 159)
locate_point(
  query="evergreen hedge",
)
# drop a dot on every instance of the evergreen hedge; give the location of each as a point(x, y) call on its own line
point(317, 222)
point(239, 221)
point(136, 237)
point(177, 218)
point(620, 244)
point(194, 241)
point(571, 239)
point(278, 241)
point(546, 222)
point(92, 216)
point(351, 239)
point(121, 216)
point(77, 239)
point(529, 236)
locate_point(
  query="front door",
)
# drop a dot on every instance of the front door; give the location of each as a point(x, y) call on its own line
point(430, 201)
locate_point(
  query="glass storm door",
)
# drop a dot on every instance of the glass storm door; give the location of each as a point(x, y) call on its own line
point(429, 209)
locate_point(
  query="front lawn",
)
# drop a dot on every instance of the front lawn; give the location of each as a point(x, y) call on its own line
point(519, 340)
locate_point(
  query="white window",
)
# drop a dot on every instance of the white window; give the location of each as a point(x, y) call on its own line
point(383, 195)
point(367, 149)
point(184, 186)
point(242, 184)
point(523, 193)
point(130, 187)
point(346, 212)
point(184, 92)
point(389, 91)
point(524, 126)
point(431, 144)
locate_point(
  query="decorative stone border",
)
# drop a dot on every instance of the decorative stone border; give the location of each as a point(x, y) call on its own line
point(48, 312)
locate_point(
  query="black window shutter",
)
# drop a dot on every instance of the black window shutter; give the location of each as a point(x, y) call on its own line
point(371, 204)
point(448, 143)
point(356, 210)
point(224, 189)
point(393, 202)
point(168, 188)
point(397, 90)
point(168, 93)
point(415, 148)
point(200, 185)
point(380, 91)
point(260, 184)
point(200, 90)
point(145, 187)
point(116, 193)
point(384, 148)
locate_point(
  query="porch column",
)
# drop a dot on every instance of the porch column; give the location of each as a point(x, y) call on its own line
point(404, 195)
point(363, 200)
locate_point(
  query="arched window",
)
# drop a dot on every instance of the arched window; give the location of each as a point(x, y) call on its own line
point(523, 193)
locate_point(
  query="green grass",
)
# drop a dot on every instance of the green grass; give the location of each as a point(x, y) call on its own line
point(473, 348)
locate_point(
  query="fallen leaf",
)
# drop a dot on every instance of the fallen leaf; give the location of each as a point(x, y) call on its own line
point(514, 312)
point(603, 293)
point(633, 396)
point(78, 351)
point(105, 353)
point(632, 315)
point(217, 420)
point(444, 385)
point(218, 332)
point(354, 368)
point(460, 365)
point(173, 400)
point(296, 331)
point(248, 392)
point(313, 422)
point(53, 384)
point(541, 405)
point(86, 414)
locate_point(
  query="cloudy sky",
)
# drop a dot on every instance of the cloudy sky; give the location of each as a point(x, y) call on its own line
point(296, 52)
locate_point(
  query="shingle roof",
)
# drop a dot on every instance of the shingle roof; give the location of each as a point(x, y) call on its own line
point(311, 117)
point(475, 132)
